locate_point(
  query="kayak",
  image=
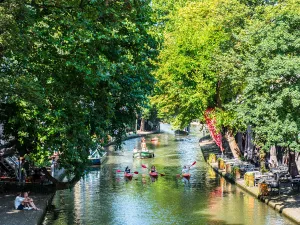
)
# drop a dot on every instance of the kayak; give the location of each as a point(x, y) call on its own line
point(186, 175)
point(128, 175)
point(153, 174)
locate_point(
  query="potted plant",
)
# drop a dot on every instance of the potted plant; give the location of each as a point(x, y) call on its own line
point(263, 189)
point(236, 172)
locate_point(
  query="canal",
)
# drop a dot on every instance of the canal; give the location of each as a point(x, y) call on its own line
point(103, 196)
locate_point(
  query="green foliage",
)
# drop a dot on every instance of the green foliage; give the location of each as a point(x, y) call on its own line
point(189, 76)
point(75, 72)
point(270, 99)
point(239, 57)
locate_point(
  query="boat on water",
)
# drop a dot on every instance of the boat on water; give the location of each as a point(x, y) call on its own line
point(155, 139)
point(186, 175)
point(97, 158)
point(153, 174)
point(128, 175)
point(181, 133)
point(142, 154)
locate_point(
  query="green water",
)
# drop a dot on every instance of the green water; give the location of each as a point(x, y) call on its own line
point(105, 197)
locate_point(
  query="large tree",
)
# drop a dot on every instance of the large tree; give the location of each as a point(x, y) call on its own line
point(75, 72)
point(190, 79)
point(270, 101)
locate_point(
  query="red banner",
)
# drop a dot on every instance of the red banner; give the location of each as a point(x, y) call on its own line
point(211, 124)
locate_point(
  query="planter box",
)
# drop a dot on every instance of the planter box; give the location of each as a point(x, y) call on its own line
point(221, 164)
point(249, 179)
point(228, 168)
point(212, 158)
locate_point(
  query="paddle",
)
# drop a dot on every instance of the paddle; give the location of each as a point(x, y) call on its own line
point(135, 172)
point(178, 175)
point(144, 166)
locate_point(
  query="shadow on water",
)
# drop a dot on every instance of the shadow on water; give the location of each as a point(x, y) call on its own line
point(104, 196)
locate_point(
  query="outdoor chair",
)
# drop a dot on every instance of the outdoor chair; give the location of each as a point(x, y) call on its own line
point(296, 183)
point(274, 184)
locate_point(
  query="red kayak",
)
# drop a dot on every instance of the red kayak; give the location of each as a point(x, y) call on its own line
point(153, 174)
point(186, 175)
point(128, 175)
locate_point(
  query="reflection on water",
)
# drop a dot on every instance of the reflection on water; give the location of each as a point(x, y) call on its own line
point(106, 197)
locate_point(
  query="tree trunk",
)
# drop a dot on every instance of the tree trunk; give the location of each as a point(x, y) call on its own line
point(292, 164)
point(60, 185)
point(273, 157)
point(142, 127)
point(232, 144)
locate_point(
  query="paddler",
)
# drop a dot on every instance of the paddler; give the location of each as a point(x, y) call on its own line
point(185, 170)
point(127, 170)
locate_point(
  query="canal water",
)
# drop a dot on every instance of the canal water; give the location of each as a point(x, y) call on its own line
point(104, 196)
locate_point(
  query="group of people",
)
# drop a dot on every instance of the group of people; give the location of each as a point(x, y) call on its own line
point(185, 169)
point(24, 202)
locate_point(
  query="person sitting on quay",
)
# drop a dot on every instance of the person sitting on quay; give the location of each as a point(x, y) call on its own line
point(19, 202)
point(29, 201)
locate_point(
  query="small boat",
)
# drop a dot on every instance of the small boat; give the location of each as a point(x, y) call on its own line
point(97, 158)
point(154, 139)
point(153, 174)
point(181, 132)
point(128, 175)
point(142, 154)
point(186, 175)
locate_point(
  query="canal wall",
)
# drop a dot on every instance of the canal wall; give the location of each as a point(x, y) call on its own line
point(10, 216)
point(287, 202)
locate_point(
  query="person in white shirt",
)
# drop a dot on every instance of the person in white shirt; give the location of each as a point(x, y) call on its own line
point(186, 169)
point(19, 202)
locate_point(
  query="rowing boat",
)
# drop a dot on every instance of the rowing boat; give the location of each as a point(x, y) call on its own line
point(153, 174)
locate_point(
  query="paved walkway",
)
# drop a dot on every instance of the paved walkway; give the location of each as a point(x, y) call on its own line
point(287, 203)
point(10, 216)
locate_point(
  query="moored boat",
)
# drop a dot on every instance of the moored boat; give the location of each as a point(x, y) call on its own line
point(97, 158)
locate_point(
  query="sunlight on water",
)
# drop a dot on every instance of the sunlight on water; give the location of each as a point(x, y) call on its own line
point(106, 197)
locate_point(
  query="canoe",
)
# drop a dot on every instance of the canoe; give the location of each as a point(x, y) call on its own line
point(128, 175)
point(143, 154)
point(186, 175)
point(153, 174)
point(154, 139)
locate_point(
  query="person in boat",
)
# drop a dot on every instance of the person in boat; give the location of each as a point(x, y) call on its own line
point(143, 144)
point(153, 169)
point(127, 170)
point(185, 170)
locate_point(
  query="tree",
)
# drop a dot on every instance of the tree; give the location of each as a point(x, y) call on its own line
point(76, 72)
point(270, 99)
point(190, 79)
